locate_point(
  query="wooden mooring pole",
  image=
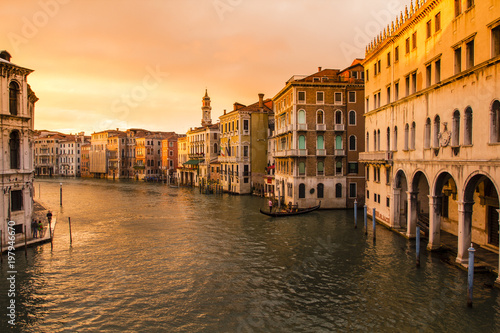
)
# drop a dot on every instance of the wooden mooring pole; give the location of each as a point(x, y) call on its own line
point(470, 277)
point(366, 219)
point(355, 214)
point(70, 237)
point(418, 246)
point(374, 223)
point(26, 241)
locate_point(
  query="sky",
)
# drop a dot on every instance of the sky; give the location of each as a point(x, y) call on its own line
point(107, 64)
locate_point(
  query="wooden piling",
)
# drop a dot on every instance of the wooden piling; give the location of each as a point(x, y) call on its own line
point(355, 214)
point(418, 246)
point(470, 276)
point(374, 223)
point(366, 219)
point(26, 241)
point(70, 237)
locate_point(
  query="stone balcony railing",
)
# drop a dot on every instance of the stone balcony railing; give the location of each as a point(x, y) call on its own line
point(376, 156)
point(339, 127)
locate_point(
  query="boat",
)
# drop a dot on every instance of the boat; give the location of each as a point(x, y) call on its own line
point(292, 212)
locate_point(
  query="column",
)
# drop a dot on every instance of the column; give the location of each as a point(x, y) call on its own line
point(464, 230)
point(396, 208)
point(434, 222)
point(412, 214)
point(497, 282)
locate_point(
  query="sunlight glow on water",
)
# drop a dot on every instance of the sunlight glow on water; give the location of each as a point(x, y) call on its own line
point(149, 258)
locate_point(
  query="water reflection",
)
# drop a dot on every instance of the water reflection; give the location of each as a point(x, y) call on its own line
point(146, 258)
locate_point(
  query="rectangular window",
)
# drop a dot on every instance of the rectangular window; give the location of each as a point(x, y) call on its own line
point(396, 54)
point(367, 75)
point(414, 83)
point(495, 41)
point(407, 45)
point(352, 97)
point(429, 28)
point(414, 40)
point(428, 75)
point(379, 66)
point(458, 7)
point(458, 60)
point(470, 3)
point(437, 22)
point(375, 71)
point(338, 98)
point(388, 202)
point(245, 124)
point(469, 51)
point(437, 71)
point(388, 59)
point(353, 167)
point(352, 190)
point(301, 97)
point(245, 151)
point(407, 82)
point(396, 91)
point(388, 94)
point(16, 200)
point(367, 104)
point(367, 173)
point(368, 194)
point(319, 97)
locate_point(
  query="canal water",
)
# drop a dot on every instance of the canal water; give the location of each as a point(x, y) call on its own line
point(149, 258)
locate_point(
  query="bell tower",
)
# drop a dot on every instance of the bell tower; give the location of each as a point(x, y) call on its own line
point(206, 109)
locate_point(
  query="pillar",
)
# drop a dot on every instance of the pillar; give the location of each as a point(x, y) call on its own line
point(464, 231)
point(412, 214)
point(434, 222)
point(396, 208)
point(497, 282)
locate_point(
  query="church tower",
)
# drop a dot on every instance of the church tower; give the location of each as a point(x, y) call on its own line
point(206, 109)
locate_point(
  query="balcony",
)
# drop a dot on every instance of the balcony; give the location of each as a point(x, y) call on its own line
point(301, 127)
point(339, 127)
point(280, 153)
point(320, 127)
point(196, 155)
point(302, 152)
point(377, 157)
point(339, 152)
point(321, 152)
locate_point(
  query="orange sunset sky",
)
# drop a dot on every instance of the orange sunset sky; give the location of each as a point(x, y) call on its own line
point(106, 64)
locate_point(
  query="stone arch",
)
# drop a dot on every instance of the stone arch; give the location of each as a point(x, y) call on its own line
point(418, 202)
point(399, 198)
point(478, 213)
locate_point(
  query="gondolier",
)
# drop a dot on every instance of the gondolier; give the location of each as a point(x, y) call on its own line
point(270, 205)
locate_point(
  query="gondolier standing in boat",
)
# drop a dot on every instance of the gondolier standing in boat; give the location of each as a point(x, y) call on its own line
point(270, 205)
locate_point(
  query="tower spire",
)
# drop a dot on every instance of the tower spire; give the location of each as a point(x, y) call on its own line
point(206, 109)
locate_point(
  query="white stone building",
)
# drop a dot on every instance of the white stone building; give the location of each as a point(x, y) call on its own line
point(17, 102)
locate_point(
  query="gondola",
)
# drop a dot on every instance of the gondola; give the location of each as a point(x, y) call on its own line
point(291, 213)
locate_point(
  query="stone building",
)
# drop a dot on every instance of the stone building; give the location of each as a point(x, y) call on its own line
point(433, 122)
point(243, 156)
point(70, 154)
point(17, 107)
point(318, 127)
point(47, 153)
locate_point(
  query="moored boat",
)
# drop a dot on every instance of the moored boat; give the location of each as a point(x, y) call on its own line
point(291, 212)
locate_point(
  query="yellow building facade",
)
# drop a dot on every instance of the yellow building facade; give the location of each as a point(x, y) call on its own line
point(433, 122)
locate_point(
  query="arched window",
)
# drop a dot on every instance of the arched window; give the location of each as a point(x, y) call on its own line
point(320, 117)
point(216, 151)
point(13, 98)
point(495, 122)
point(352, 117)
point(367, 141)
point(302, 168)
point(14, 150)
point(320, 190)
point(388, 139)
point(352, 143)
point(374, 140)
point(427, 133)
point(302, 191)
point(338, 142)
point(378, 140)
point(407, 130)
point(302, 142)
point(437, 127)
point(338, 167)
point(468, 126)
point(338, 117)
point(320, 142)
point(395, 148)
point(302, 117)
point(412, 135)
point(321, 168)
point(338, 190)
point(455, 129)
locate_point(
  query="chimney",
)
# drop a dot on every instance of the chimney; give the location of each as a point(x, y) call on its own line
point(235, 106)
point(319, 69)
point(261, 100)
point(224, 111)
point(5, 55)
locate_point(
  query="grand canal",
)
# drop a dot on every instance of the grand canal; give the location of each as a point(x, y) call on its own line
point(149, 258)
